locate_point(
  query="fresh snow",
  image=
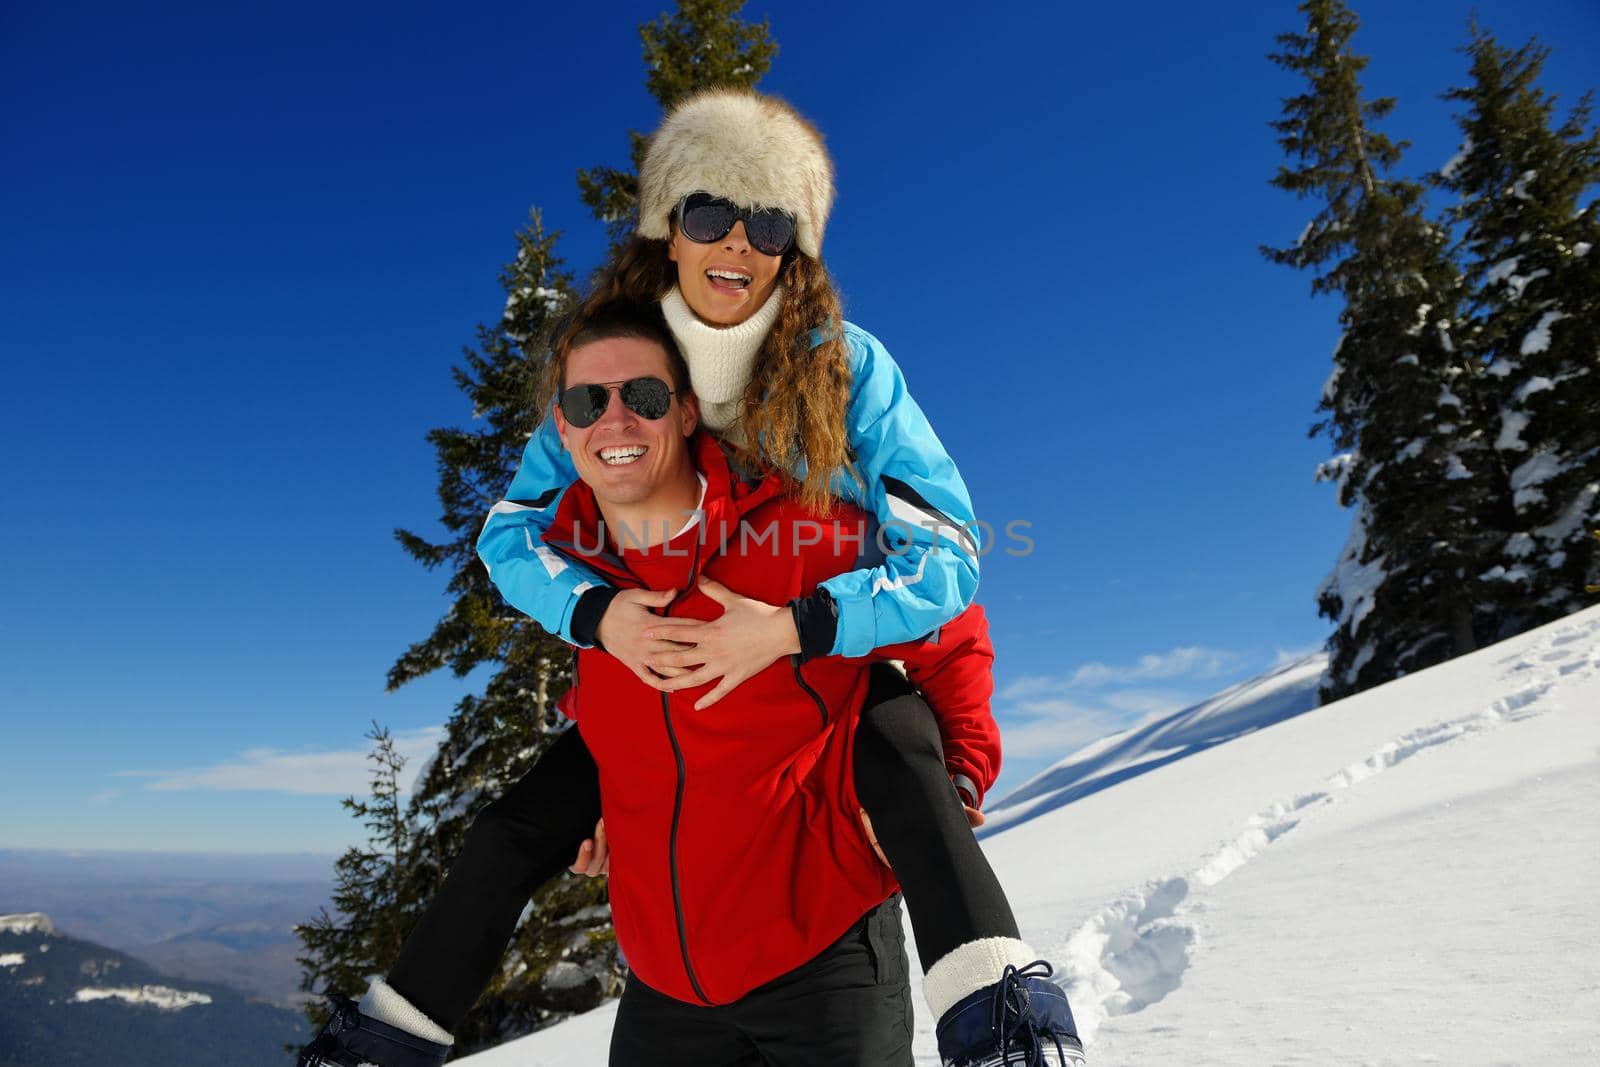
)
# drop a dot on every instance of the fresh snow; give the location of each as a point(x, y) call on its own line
point(1537, 384)
point(12, 959)
point(1404, 876)
point(1449, 169)
point(1501, 271)
point(1336, 469)
point(156, 996)
point(1422, 320)
point(26, 923)
point(564, 974)
point(1538, 339)
point(1332, 381)
point(1512, 423)
point(1505, 272)
point(1356, 582)
point(1541, 467)
point(1517, 575)
point(1572, 520)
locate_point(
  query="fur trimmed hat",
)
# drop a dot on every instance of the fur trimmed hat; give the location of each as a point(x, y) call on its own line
point(753, 149)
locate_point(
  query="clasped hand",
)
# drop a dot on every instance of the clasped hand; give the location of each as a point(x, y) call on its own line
point(670, 654)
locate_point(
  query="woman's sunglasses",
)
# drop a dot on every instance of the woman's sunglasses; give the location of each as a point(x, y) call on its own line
point(704, 218)
point(647, 398)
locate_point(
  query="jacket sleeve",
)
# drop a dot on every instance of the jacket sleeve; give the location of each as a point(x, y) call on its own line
point(954, 668)
point(913, 490)
point(530, 576)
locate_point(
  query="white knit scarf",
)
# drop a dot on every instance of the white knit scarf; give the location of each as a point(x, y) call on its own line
point(720, 358)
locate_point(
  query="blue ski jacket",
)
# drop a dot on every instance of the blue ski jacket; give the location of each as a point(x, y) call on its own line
point(922, 557)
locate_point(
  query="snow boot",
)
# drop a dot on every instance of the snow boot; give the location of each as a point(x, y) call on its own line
point(1022, 1020)
point(352, 1039)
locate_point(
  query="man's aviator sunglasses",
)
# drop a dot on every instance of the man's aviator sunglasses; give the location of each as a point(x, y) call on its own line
point(704, 218)
point(647, 398)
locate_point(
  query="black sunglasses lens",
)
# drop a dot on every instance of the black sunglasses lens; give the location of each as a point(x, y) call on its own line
point(707, 218)
point(584, 404)
point(646, 397)
point(771, 232)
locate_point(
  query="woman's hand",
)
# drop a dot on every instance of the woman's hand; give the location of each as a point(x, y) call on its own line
point(594, 855)
point(623, 629)
point(745, 639)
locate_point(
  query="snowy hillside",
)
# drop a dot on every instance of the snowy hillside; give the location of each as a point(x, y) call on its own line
point(1281, 693)
point(64, 1000)
point(1405, 876)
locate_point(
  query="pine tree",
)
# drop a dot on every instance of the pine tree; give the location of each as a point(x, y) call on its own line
point(493, 738)
point(1534, 283)
point(371, 916)
point(703, 44)
point(563, 955)
point(1402, 401)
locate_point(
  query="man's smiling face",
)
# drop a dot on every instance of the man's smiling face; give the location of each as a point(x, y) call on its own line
point(625, 458)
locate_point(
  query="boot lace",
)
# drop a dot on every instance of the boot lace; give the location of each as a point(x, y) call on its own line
point(1015, 1025)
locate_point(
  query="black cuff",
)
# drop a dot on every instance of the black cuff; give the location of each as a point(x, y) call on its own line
point(586, 616)
point(816, 620)
point(966, 789)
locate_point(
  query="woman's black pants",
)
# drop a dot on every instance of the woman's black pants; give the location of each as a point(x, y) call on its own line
point(533, 831)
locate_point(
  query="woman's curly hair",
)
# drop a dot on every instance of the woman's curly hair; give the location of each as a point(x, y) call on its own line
point(793, 411)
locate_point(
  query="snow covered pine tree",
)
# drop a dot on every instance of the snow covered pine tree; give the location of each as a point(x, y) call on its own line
point(1413, 461)
point(1534, 305)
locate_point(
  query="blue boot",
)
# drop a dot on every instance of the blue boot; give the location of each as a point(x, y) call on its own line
point(351, 1039)
point(1023, 1020)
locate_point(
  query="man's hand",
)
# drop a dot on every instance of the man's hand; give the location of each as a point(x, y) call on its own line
point(594, 855)
point(872, 837)
point(975, 819)
point(623, 629)
point(747, 637)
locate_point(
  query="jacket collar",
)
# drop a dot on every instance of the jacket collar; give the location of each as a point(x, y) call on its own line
point(729, 497)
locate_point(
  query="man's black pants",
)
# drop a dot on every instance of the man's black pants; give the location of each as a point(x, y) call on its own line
point(533, 831)
point(849, 1006)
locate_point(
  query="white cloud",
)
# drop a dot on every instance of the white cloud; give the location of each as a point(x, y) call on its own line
point(1193, 662)
point(1294, 655)
point(1050, 716)
point(1051, 736)
point(1053, 727)
point(339, 773)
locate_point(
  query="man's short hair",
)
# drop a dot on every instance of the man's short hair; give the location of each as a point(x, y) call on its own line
point(607, 321)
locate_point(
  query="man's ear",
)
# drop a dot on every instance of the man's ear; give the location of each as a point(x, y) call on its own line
point(688, 413)
point(562, 426)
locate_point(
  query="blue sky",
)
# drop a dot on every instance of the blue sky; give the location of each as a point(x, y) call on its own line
point(247, 242)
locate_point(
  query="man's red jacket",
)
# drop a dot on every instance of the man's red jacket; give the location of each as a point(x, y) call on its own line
point(737, 849)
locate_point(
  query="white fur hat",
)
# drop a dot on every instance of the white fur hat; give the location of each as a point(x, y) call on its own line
point(753, 149)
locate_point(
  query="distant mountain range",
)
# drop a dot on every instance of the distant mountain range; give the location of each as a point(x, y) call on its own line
point(217, 918)
point(65, 1002)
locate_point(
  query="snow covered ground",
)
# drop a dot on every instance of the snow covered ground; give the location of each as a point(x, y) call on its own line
point(1407, 876)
